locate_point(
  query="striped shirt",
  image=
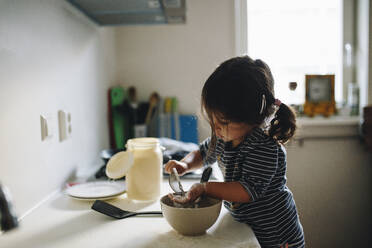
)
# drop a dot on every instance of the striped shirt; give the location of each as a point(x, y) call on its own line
point(259, 164)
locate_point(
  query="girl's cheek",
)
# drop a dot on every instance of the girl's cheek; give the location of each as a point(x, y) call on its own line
point(219, 135)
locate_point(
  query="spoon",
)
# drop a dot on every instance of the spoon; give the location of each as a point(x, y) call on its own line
point(204, 178)
point(206, 175)
point(175, 182)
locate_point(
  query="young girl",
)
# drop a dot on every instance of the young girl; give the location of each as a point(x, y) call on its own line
point(248, 127)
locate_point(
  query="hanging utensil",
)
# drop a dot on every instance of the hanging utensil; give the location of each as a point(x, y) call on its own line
point(153, 101)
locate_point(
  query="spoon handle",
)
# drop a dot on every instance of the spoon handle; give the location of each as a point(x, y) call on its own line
point(204, 178)
point(206, 175)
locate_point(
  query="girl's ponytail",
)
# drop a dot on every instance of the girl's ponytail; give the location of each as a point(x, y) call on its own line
point(283, 125)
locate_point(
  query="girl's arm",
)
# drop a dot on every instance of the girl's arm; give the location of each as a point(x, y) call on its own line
point(228, 191)
point(191, 161)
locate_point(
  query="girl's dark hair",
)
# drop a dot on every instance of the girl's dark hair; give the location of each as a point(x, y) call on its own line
point(235, 91)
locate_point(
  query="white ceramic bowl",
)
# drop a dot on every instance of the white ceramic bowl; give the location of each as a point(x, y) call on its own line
point(191, 221)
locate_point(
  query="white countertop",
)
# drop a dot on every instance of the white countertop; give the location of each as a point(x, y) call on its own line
point(66, 222)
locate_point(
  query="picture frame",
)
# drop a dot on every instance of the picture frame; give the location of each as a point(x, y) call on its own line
point(320, 95)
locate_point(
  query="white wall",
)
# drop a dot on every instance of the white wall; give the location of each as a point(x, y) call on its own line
point(175, 60)
point(51, 57)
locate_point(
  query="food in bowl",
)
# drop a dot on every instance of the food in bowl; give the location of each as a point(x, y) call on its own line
point(191, 221)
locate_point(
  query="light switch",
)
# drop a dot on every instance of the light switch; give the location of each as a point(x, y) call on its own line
point(46, 127)
point(64, 123)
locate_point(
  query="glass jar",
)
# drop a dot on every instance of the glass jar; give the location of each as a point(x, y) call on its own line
point(144, 178)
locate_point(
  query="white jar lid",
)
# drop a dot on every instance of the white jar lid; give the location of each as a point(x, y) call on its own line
point(119, 164)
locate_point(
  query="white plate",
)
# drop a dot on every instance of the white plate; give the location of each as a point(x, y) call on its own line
point(96, 190)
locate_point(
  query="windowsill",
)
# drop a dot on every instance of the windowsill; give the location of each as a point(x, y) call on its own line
point(328, 121)
point(323, 128)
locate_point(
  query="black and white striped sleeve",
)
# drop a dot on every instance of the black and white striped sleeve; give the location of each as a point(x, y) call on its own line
point(208, 157)
point(258, 169)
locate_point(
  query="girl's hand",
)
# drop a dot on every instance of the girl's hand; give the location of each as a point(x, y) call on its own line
point(194, 192)
point(181, 167)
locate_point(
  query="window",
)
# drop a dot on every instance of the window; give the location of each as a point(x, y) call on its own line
point(297, 37)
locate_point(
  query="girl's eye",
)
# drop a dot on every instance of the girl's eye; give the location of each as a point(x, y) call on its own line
point(223, 123)
point(220, 121)
point(234, 127)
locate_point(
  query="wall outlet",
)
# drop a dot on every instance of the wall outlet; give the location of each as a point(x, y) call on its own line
point(46, 127)
point(64, 123)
